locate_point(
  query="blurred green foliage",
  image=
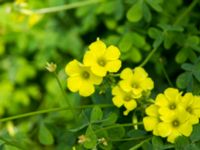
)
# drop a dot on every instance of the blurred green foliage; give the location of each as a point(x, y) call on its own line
point(135, 26)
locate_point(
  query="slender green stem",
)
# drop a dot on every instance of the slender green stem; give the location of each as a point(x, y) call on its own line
point(66, 7)
point(52, 110)
point(126, 139)
point(119, 125)
point(65, 95)
point(186, 12)
point(166, 75)
point(140, 144)
point(148, 57)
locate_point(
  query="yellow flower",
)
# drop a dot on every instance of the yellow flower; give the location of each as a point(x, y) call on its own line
point(192, 106)
point(81, 78)
point(135, 81)
point(169, 102)
point(175, 125)
point(152, 120)
point(123, 98)
point(102, 59)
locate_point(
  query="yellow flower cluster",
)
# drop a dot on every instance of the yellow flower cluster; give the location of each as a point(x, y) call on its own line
point(97, 61)
point(173, 114)
point(132, 86)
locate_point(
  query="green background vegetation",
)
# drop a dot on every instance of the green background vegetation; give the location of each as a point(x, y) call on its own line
point(169, 28)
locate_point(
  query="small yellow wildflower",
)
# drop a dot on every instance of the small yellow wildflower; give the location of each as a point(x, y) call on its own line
point(175, 125)
point(169, 102)
point(123, 98)
point(192, 106)
point(102, 59)
point(81, 78)
point(135, 81)
point(152, 120)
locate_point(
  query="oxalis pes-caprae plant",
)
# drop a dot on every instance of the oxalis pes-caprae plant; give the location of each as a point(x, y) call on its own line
point(172, 113)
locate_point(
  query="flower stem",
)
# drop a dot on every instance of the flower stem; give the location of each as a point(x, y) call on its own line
point(140, 144)
point(165, 74)
point(52, 110)
point(64, 95)
point(186, 12)
point(119, 125)
point(66, 7)
point(148, 57)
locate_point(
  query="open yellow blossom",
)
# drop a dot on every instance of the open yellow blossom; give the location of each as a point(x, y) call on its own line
point(34, 19)
point(152, 120)
point(169, 102)
point(192, 106)
point(81, 78)
point(175, 125)
point(102, 59)
point(135, 81)
point(123, 98)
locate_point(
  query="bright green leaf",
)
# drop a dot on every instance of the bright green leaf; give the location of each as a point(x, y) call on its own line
point(135, 13)
point(91, 138)
point(45, 137)
point(96, 114)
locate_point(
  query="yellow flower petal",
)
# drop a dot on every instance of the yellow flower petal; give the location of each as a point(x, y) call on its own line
point(126, 112)
point(113, 66)
point(125, 85)
point(147, 84)
point(164, 129)
point(171, 138)
point(95, 79)
point(89, 58)
point(74, 83)
point(72, 68)
point(185, 128)
point(98, 70)
point(126, 74)
point(117, 91)
point(118, 101)
point(152, 110)
point(150, 123)
point(112, 53)
point(130, 105)
point(86, 89)
point(141, 72)
point(161, 100)
point(98, 48)
point(171, 94)
point(137, 92)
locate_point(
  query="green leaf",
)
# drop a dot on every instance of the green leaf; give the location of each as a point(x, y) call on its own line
point(187, 66)
point(126, 42)
point(135, 13)
point(45, 137)
point(96, 114)
point(157, 143)
point(184, 80)
point(91, 138)
point(147, 13)
point(135, 55)
point(157, 35)
point(182, 55)
point(110, 119)
point(196, 71)
point(195, 136)
point(137, 134)
point(181, 143)
point(116, 133)
point(155, 4)
point(139, 40)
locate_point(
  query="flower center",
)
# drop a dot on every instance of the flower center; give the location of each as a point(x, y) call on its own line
point(127, 98)
point(85, 75)
point(189, 109)
point(101, 62)
point(172, 106)
point(175, 123)
point(135, 85)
